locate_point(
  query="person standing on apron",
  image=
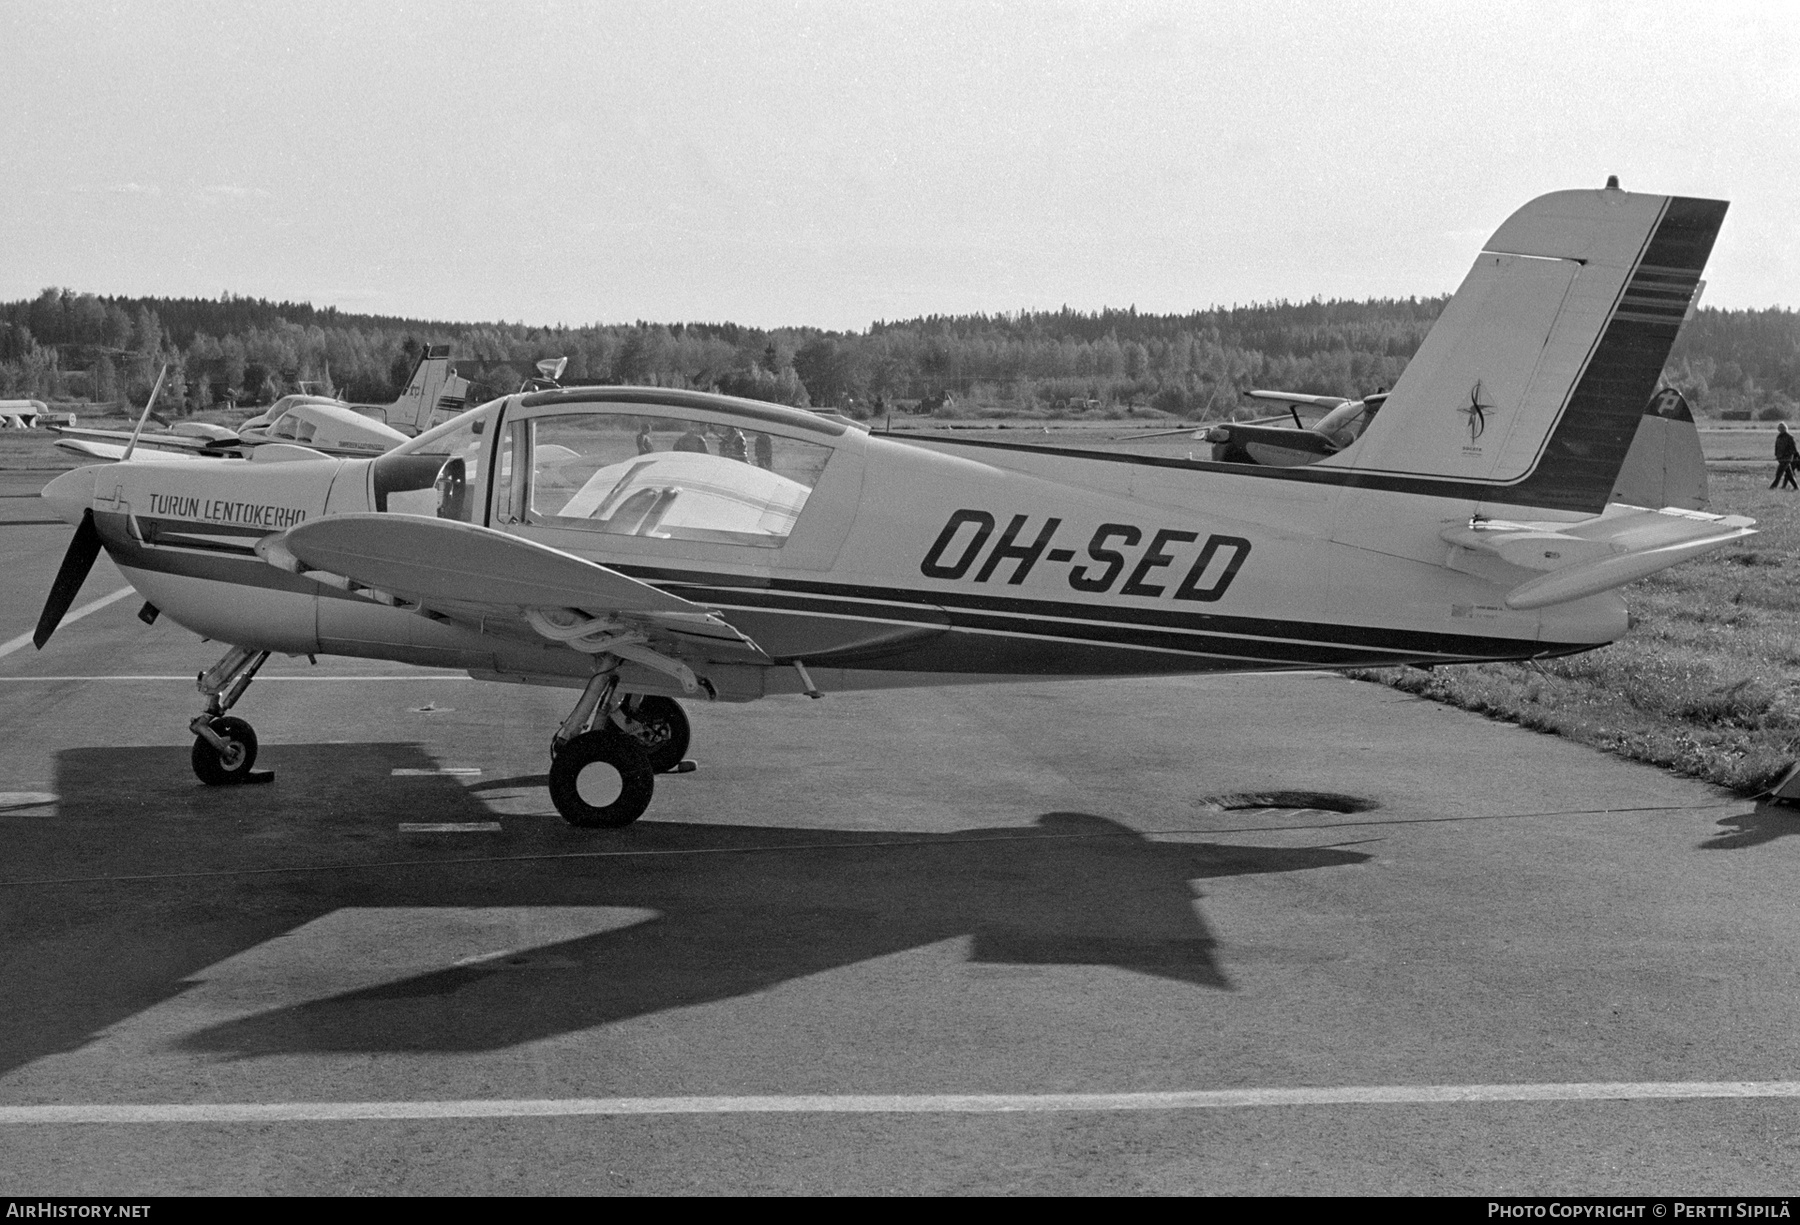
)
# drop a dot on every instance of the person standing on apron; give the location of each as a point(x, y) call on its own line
point(1787, 453)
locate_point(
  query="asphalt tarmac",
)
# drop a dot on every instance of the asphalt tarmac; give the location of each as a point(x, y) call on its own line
point(1033, 938)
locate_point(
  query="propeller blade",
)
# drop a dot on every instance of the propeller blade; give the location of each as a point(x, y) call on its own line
point(83, 550)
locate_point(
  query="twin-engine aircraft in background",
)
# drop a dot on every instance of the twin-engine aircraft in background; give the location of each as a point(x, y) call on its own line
point(643, 544)
point(322, 424)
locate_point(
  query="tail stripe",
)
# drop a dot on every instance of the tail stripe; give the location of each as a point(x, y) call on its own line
point(1586, 450)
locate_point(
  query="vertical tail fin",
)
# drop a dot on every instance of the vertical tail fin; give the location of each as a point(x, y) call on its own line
point(1529, 389)
point(1665, 465)
point(435, 388)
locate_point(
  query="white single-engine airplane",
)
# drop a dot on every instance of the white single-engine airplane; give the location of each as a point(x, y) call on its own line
point(22, 414)
point(325, 425)
point(641, 544)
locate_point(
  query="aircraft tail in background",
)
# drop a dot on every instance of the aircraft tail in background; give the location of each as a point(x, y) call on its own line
point(1530, 388)
point(435, 388)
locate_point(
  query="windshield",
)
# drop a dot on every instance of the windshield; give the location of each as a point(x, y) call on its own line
point(440, 472)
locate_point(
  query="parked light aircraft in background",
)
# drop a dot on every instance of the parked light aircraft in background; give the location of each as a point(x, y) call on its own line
point(642, 544)
point(1271, 441)
point(1664, 466)
point(22, 414)
point(320, 423)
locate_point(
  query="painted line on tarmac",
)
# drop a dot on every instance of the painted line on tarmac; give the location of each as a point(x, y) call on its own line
point(24, 640)
point(449, 827)
point(407, 772)
point(899, 1103)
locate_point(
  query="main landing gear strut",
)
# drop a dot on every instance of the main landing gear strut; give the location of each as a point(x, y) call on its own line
point(225, 748)
point(605, 757)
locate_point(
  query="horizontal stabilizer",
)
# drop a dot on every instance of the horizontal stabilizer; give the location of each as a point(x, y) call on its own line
point(1595, 555)
point(443, 561)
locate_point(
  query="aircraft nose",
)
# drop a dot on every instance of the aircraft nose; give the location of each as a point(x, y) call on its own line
point(71, 493)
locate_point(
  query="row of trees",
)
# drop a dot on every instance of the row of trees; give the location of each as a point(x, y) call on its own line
point(63, 345)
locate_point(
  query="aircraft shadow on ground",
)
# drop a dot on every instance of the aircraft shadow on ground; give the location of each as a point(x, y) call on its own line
point(1764, 823)
point(738, 909)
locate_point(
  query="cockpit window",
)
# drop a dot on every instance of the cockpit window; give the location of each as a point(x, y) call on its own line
point(440, 472)
point(668, 477)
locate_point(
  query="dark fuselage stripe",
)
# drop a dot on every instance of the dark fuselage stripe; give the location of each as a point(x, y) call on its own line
point(931, 607)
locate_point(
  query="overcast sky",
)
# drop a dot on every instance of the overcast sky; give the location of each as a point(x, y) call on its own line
point(831, 164)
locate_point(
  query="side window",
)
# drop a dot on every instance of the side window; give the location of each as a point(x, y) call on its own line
point(669, 478)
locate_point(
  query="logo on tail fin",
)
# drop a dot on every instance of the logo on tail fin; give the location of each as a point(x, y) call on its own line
point(1476, 411)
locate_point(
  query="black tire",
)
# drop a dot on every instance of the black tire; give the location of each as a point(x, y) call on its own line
point(605, 748)
point(661, 726)
point(216, 770)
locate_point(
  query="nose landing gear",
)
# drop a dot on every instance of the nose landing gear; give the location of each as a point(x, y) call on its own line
point(225, 748)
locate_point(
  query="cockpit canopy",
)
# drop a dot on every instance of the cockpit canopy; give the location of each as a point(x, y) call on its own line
point(625, 462)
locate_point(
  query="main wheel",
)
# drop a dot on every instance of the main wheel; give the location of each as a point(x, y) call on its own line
point(601, 779)
point(661, 726)
point(217, 769)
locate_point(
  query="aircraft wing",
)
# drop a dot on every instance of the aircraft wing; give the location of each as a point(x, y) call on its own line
point(186, 442)
point(1294, 397)
point(1594, 555)
point(147, 451)
point(477, 576)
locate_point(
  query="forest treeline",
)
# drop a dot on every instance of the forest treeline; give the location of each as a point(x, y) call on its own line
point(63, 346)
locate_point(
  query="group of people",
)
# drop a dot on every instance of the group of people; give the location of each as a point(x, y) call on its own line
point(732, 444)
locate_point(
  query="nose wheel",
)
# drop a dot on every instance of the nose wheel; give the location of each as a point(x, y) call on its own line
point(226, 756)
point(224, 747)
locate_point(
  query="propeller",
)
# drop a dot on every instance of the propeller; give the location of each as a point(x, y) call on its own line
point(76, 563)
